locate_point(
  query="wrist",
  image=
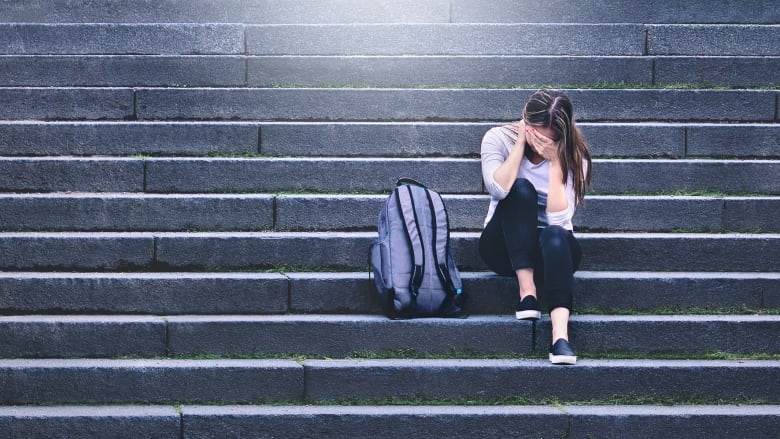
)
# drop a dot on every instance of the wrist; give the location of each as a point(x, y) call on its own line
point(518, 149)
point(555, 168)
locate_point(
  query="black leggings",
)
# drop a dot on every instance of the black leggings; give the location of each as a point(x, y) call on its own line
point(512, 240)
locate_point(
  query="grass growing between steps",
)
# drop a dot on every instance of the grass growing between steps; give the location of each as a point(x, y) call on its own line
point(411, 354)
point(551, 401)
point(677, 356)
point(751, 231)
point(615, 400)
point(542, 355)
point(619, 85)
point(682, 193)
point(405, 354)
point(281, 269)
point(671, 310)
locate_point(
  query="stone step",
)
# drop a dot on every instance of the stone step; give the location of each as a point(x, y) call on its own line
point(575, 421)
point(384, 71)
point(229, 11)
point(36, 336)
point(649, 291)
point(188, 71)
point(656, 252)
point(752, 71)
point(513, 39)
point(444, 175)
point(226, 335)
point(148, 381)
point(153, 293)
point(712, 40)
point(82, 336)
point(448, 39)
point(52, 103)
point(120, 39)
point(304, 107)
point(391, 39)
point(353, 293)
point(642, 176)
point(388, 421)
point(351, 39)
point(359, 139)
point(57, 251)
point(208, 175)
point(123, 70)
point(71, 174)
point(510, 71)
point(462, 105)
point(622, 11)
point(37, 138)
point(134, 212)
point(128, 212)
point(145, 421)
point(100, 381)
point(337, 380)
point(339, 251)
point(386, 11)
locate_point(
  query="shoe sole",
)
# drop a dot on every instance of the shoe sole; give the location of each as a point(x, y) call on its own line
point(563, 359)
point(528, 315)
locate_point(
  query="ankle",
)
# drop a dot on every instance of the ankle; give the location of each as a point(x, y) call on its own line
point(526, 293)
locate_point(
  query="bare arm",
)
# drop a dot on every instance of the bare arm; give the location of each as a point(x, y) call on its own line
point(506, 174)
point(556, 193)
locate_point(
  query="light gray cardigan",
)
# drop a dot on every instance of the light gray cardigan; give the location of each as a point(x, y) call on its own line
point(496, 146)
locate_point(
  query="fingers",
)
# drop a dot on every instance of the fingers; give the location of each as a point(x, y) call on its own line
point(543, 145)
point(539, 142)
point(540, 149)
point(541, 138)
point(534, 143)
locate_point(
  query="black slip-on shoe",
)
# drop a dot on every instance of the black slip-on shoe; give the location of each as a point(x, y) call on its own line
point(528, 309)
point(562, 353)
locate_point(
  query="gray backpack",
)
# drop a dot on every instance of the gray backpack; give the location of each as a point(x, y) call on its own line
point(414, 270)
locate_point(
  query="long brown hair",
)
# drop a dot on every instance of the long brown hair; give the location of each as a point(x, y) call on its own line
point(553, 109)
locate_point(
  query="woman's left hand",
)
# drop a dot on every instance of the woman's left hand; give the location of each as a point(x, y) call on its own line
point(543, 145)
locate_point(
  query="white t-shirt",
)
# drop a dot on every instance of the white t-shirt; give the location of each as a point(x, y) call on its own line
point(496, 146)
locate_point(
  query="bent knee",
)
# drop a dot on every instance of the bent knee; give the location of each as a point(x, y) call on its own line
point(523, 190)
point(554, 236)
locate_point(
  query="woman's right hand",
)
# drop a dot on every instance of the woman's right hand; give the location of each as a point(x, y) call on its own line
point(519, 129)
point(506, 173)
point(544, 146)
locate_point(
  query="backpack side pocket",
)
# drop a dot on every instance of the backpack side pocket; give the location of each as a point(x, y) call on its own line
point(383, 276)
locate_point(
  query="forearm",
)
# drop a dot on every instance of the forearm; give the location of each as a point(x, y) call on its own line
point(506, 174)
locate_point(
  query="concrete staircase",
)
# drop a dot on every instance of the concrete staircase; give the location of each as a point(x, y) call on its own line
point(189, 190)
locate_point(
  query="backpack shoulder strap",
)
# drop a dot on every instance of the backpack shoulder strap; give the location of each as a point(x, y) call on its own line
point(406, 180)
point(441, 240)
point(409, 216)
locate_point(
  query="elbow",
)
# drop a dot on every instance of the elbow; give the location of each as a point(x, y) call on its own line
point(494, 188)
point(497, 191)
point(560, 209)
point(560, 217)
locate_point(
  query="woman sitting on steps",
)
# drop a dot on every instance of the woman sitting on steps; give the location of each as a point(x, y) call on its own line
point(537, 171)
